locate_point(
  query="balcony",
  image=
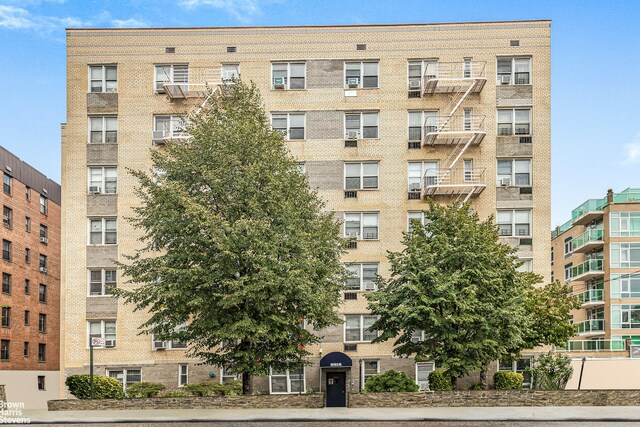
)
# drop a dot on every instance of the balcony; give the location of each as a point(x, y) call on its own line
point(588, 211)
point(588, 270)
point(454, 182)
point(588, 241)
point(454, 130)
point(593, 345)
point(591, 297)
point(591, 327)
point(451, 77)
point(190, 83)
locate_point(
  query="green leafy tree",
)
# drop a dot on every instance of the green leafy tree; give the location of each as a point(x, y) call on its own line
point(550, 371)
point(458, 283)
point(237, 250)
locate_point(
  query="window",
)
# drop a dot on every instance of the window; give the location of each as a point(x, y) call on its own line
point(356, 328)
point(624, 224)
point(419, 170)
point(42, 293)
point(43, 263)
point(568, 247)
point(625, 255)
point(169, 127)
point(362, 226)
point(368, 368)
point(27, 193)
point(521, 366)
point(514, 71)
point(103, 130)
point(27, 224)
point(291, 125)
point(417, 69)
point(415, 216)
point(42, 323)
point(168, 345)
point(102, 329)
point(419, 120)
point(27, 255)
point(468, 170)
point(6, 250)
point(103, 78)
point(361, 125)
point(228, 374)
point(27, 286)
point(27, 317)
point(288, 75)
point(514, 122)
point(514, 223)
point(172, 73)
point(361, 74)
point(625, 316)
point(514, 171)
point(7, 185)
point(361, 176)
point(43, 205)
point(102, 282)
point(44, 233)
point(103, 180)
point(4, 349)
point(423, 369)
point(625, 285)
point(363, 277)
point(230, 72)
point(552, 256)
point(289, 381)
point(183, 375)
point(527, 265)
point(41, 383)
point(25, 349)
point(567, 272)
point(7, 217)
point(126, 376)
point(6, 317)
point(102, 231)
point(6, 283)
point(301, 167)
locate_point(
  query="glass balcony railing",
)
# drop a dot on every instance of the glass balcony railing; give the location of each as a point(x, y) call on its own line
point(591, 326)
point(590, 266)
point(630, 195)
point(589, 236)
point(593, 345)
point(564, 227)
point(590, 296)
point(588, 206)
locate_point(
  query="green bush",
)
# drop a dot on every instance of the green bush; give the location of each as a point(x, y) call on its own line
point(232, 388)
point(175, 393)
point(390, 381)
point(440, 381)
point(507, 380)
point(103, 387)
point(476, 387)
point(140, 390)
point(210, 388)
point(550, 371)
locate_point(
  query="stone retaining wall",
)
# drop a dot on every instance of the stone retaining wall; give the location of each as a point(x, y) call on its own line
point(484, 398)
point(315, 400)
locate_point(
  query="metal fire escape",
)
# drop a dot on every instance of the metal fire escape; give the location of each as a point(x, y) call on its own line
point(460, 131)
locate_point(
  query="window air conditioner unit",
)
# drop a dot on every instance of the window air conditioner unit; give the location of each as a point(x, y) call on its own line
point(505, 182)
point(369, 286)
point(43, 269)
point(278, 82)
point(228, 77)
point(159, 345)
point(44, 240)
point(414, 84)
point(160, 87)
point(109, 343)
point(354, 235)
point(353, 134)
point(504, 80)
point(158, 136)
point(94, 189)
point(414, 187)
point(353, 82)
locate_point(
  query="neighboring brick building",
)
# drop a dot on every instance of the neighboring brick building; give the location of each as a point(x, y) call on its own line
point(380, 117)
point(30, 297)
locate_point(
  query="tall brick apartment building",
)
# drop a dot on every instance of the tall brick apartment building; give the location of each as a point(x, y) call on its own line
point(379, 116)
point(30, 297)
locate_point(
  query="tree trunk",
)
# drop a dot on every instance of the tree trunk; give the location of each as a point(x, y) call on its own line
point(483, 378)
point(247, 384)
point(454, 383)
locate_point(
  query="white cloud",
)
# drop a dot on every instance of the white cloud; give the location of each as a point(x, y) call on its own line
point(632, 151)
point(128, 23)
point(17, 18)
point(14, 18)
point(242, 10)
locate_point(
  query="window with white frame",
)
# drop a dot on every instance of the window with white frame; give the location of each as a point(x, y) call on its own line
point(514, 71)
point(567, 272)
point(292, 125)
point(228, 374)
point(368, 368)
point(467, 166)
point(169, 127)
point(103, 78)
point(286, 382)
point(170, 73)
point(301, 166)
point(183, 375)
point(417, 69)
point(125, 376)
point(526, 266)
point(422, 119)
point(361, 74)
point(521, 366)
point(105, 329)
point(421, 173)
point(624, 224)
point(514, 172)
point(361, 225)
point(363, 277)
point(102, 282)
point(417, 336)
point(288, 75)
point(361, 176)
point(361, 125)
point(568, 246)
point(356, 328)
point(514, 222)
point(514, 121)
point(103, 180)
point(423, 369)
point(625, 316)
point(43, 205)
point(103, 231)
point(625, 285)
point(415, 216)
point(625, 255)
point(230, 72)
point(103, 129)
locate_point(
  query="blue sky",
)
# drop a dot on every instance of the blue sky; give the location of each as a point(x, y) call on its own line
point(595, 64)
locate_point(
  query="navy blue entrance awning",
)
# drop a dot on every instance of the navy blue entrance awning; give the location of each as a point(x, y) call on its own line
point(336, 360)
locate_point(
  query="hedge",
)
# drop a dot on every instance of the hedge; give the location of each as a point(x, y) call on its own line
point(103, 387)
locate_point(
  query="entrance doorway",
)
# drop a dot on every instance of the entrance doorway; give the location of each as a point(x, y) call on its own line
point(336, 389)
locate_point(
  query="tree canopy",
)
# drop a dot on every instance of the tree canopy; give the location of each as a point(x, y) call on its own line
point(237, 251)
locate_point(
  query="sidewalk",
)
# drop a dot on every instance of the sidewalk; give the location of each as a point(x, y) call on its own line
point(567, 413)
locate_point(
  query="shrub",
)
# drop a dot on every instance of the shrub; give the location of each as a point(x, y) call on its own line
point(175, 393)
point(390, 381)
point(476, 387)
point(550, 372)
point(232, 388)
point(103, 387)
point(506, 380)
point(140, 390)
point(210, 388)
point(440, 381)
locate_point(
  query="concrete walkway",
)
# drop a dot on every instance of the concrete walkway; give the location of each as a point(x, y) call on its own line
point(341, 415)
